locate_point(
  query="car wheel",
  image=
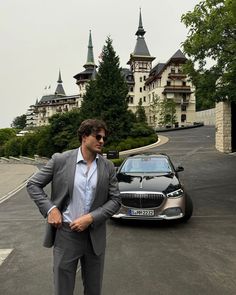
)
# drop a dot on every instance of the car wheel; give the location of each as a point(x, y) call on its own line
point(188, 208)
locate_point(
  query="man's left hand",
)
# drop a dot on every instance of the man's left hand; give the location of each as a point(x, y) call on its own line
point(81, 223)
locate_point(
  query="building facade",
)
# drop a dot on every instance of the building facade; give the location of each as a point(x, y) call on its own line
point(147, 84)
point(51, 104)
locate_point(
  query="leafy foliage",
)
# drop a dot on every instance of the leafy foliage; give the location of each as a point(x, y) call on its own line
point(6, 134)
point(167, 112)
point(19, 122)
point(212, 35)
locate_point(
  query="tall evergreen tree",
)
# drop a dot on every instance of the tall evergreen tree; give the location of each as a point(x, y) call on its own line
point(140, 113)
point(106, 96)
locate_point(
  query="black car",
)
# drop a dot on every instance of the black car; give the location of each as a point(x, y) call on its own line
point(150, 189)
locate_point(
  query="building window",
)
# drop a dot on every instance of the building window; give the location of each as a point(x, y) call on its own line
point(141, 79)
point(184, 83)
point(140, 89)
point(144, 88)
point(144, 99)
point(168, 83)
point(141, 100)
point(130, 99)
point(183, 118)
point(172, 70)
point(131, 89)
point(183, 108)
point(144, 78)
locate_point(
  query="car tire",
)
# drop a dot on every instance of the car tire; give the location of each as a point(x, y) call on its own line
point(188, 208)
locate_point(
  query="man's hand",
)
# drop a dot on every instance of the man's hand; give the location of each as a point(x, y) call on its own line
point(81, 223)
point(55, 218)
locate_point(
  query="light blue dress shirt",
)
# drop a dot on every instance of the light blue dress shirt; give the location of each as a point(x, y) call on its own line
point(85, 183)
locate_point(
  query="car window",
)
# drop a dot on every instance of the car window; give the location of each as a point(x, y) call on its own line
point(146, 165)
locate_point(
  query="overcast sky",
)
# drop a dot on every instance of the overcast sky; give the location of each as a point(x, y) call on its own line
point(40, 37)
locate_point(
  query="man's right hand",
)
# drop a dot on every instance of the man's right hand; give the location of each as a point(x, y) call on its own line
point(55, 218)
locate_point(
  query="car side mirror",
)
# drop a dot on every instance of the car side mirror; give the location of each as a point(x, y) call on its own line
point(179, 169)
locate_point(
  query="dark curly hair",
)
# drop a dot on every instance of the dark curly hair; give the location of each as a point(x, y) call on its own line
point(91, 126)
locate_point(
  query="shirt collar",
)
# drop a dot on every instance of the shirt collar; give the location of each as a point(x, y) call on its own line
point(80, 157)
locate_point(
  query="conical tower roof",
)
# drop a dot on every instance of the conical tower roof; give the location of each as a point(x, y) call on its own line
point(60, 90)
point(141, 46)
point(90, 56)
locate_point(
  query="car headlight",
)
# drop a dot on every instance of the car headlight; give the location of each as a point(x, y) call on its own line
point(175, 194)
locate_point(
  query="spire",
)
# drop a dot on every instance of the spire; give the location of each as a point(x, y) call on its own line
point(140, 31)
point(59, 90)
point(141, 51)
point(141, 46)
point(90, 58)
point(59, 78)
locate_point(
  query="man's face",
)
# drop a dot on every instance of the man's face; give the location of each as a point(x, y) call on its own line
point(94, 142)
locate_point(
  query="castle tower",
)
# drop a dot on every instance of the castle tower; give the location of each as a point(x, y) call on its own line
point(90, 72)
point(60, 90)
point(140, 65)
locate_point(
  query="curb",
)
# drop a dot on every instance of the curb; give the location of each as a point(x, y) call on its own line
point(161, 140)
point(15, 190)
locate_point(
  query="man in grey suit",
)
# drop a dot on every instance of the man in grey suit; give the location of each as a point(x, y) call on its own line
point(84, 194)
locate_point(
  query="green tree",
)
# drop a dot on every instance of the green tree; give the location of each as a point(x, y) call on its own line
point(106, 96)
point(167, 112)
point(63, 130)
point(212, 35)
point(6, 134)
point(140, 113)
point(19, 122)
point(153, 110)
point(13, 147)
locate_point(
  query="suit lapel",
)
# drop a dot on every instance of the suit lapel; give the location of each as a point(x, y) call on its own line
point(71, 166)
point(100, 168)
point(100, 175)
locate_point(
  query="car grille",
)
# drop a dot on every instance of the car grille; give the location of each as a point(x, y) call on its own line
point(142, 200)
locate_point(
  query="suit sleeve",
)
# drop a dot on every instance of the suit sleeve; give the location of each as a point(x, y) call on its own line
point(113, 204)
point(36, 184)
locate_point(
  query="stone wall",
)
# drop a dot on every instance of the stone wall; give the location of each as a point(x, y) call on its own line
point(207, 117)
point(223, 127)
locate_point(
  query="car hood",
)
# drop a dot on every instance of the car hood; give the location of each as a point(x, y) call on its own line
point(153, 182)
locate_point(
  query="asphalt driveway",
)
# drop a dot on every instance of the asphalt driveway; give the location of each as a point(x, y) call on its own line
point(144, 258)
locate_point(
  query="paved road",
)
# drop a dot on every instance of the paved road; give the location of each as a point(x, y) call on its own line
point(144, 258)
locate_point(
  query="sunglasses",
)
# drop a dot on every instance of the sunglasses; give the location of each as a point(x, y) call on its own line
point(99, 137)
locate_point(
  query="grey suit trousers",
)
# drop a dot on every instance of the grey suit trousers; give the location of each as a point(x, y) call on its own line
point(69, 248)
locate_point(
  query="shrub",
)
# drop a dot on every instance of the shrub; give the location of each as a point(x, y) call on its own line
point(13, 147)
point(117, 162)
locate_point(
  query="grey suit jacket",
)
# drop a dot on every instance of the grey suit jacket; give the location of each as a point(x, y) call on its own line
point(60, 171)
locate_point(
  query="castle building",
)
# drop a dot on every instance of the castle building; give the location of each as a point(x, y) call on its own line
point(51, 104)
point(152, 85)
point(147, 84)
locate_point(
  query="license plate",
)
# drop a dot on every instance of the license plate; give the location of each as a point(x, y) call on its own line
point(141, 212)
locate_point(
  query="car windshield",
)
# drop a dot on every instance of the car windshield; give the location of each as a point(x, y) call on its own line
point(146, 165)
